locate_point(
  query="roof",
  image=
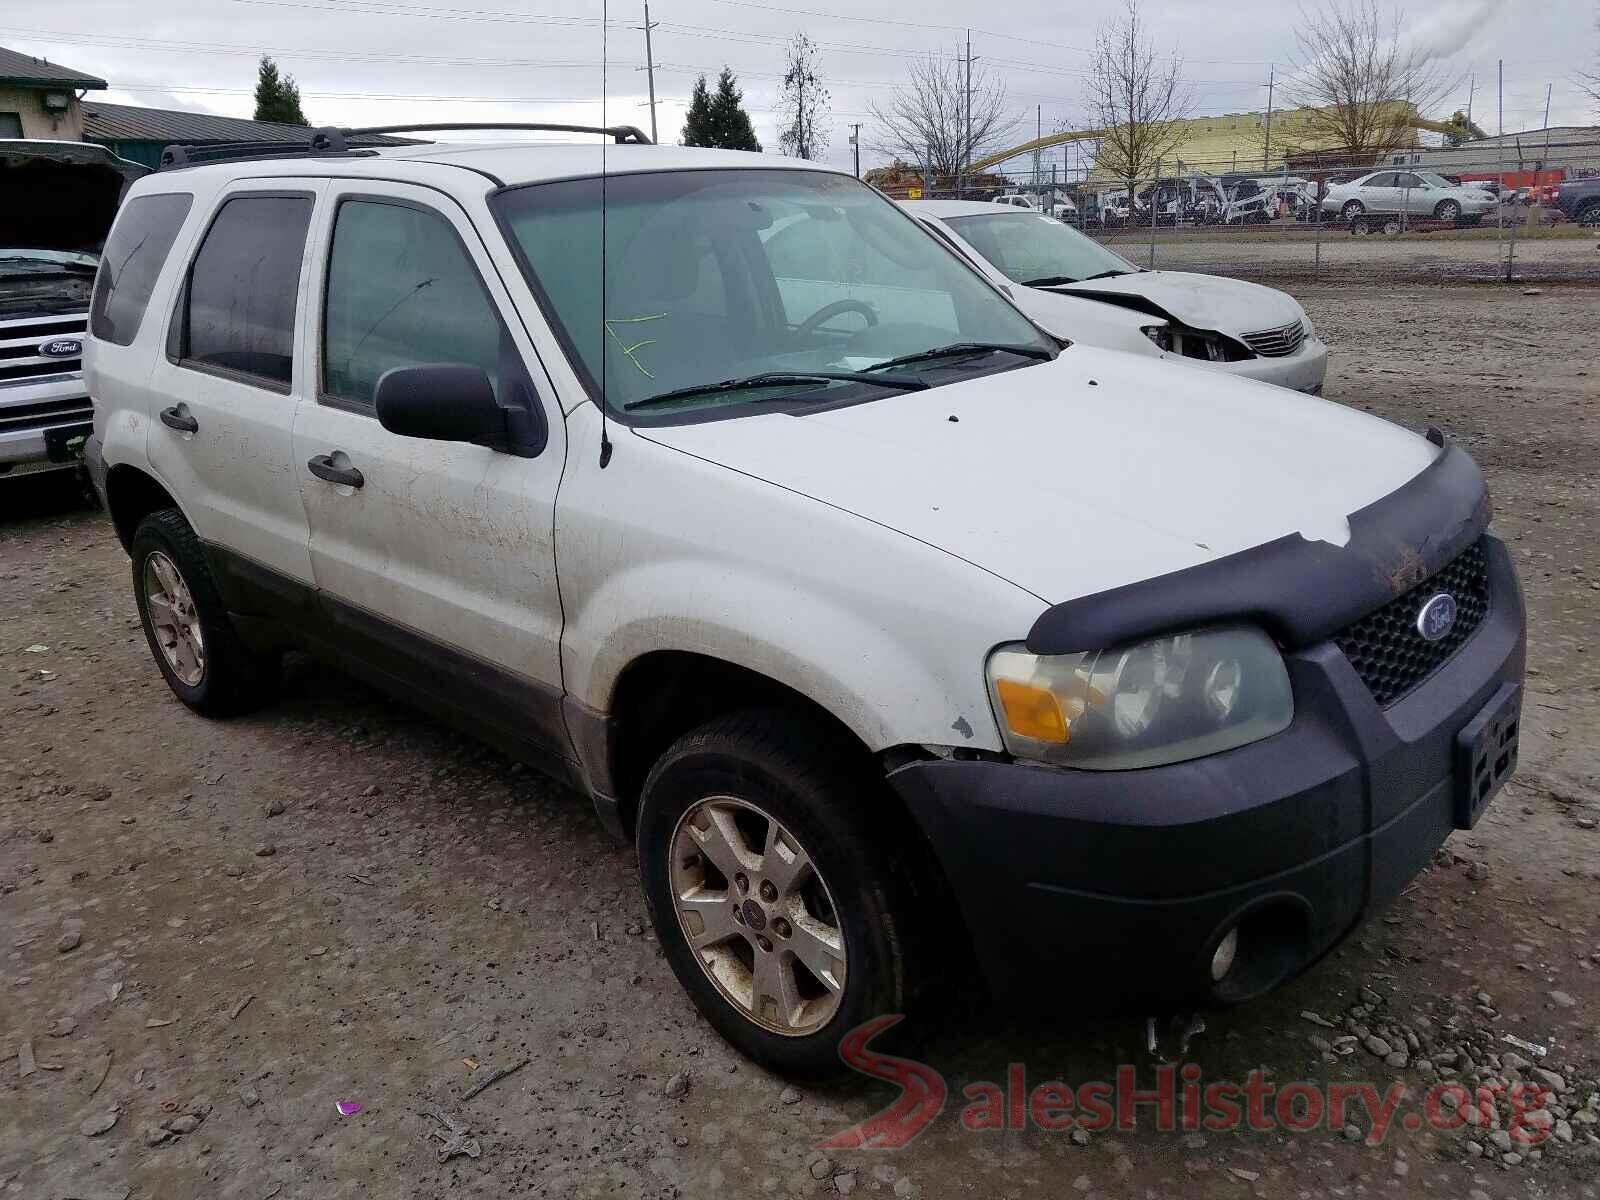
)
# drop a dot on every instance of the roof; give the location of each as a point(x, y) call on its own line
point(963, 208)
point(131, 123)
point(24, 70)
point(517, 162)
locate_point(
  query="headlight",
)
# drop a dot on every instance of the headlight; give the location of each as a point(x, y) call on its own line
point(1146, 705)
point(1310, 329)
point(1159, 334)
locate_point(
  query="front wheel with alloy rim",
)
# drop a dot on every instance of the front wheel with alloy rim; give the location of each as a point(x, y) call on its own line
point(1448, 210)
point(771, 887)
point(191, 638)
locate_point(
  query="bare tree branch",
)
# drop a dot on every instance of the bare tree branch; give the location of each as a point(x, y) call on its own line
point(805, 112)
point(1357, 82)
point(926, 120)
point(1136, 98)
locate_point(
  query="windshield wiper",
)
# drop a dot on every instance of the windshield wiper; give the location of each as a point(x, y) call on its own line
point(963, 348)
point(1050, 281)
point(1111, 274)
point(777, 379)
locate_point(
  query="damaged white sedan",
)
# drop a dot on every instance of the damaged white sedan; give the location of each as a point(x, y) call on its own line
point(1067, 280)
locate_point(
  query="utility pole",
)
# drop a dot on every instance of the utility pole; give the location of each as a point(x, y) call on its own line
point(965, 166)
point(650, 68)
point(1272, 79)
point(1472, 87)
point(855, 144)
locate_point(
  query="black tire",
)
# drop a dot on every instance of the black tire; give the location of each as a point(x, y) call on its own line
point(233, 678)
point(821, 790)
point(1351, 211)
point(1589, 214)
point(1448, 210)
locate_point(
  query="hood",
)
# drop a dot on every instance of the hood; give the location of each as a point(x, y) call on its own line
point(1093, 471)
point(60, 195)
point(1229, 306)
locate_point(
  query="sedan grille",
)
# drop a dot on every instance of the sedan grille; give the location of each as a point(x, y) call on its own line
point(1277, 343)
point(20, 360)
point(1387, 649)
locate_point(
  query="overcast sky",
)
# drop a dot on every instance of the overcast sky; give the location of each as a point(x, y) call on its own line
point(361, 62)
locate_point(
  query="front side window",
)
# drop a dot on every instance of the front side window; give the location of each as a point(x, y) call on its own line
point(237, 312)
point(402, 292)
point(133, 257)
point(1033, 249)
point(729, 275)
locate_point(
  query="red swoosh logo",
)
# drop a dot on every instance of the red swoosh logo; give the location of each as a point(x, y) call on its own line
point(921, 1099)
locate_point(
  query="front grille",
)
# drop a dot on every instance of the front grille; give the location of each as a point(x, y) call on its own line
point(45, 414)
point(1386, 648)
point(1277, 343)
point(20, 340)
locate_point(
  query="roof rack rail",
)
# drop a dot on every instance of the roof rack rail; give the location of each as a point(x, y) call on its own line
point(331, 141)
point(621, 134)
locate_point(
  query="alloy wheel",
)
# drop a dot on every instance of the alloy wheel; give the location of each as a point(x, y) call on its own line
point(758, 915)
point(174, 619)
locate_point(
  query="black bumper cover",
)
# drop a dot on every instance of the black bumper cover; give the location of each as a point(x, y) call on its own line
point(1082, 886)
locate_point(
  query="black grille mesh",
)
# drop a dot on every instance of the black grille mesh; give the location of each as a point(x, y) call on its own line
point(1384, 646)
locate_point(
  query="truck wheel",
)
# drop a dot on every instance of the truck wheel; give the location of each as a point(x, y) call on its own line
point(772, 894)
point(1589, 214)
point(194, 644)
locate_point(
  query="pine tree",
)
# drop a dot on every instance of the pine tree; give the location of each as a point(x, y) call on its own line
point(277, 96)
point(699, 127)
point(734, 131)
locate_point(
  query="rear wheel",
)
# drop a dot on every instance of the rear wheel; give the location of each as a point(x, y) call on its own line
point(194, 644)
point(771, 887)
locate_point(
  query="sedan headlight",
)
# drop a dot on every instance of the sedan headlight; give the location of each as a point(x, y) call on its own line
point(1157, 702)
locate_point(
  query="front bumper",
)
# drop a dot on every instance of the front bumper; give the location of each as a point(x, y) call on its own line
point(38, 418)
point(1303, 371)
point(1083, 887)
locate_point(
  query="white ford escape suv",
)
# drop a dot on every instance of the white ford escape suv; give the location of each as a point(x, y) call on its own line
point(881, 621)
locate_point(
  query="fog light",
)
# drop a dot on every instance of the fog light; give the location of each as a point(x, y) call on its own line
point(1222, 960)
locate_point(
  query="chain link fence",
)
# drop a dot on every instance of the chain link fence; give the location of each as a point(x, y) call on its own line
point(1521, 209)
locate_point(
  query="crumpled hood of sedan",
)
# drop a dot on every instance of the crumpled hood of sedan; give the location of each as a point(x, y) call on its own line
point(1229, 306)
point(1072, 477)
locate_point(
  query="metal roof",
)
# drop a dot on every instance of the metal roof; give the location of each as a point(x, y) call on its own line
point(131, 123)
point(18, 69)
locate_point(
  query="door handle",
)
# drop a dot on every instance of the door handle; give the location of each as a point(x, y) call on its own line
point(176, 418)
point(322, 466)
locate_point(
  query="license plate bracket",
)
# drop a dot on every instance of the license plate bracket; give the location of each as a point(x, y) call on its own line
point(1486, 753)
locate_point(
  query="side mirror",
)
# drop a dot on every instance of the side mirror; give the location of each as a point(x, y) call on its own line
point(451, 402)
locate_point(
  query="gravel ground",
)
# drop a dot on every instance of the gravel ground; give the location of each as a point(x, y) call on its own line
point(215, 932)
point(1287, 253)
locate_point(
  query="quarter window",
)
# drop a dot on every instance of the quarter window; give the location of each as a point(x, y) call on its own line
point(402, 292)
point(132, 259)
point(237, 311)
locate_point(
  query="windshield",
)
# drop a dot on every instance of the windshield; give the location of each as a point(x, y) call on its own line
point(1030, 246)
point(713, 277)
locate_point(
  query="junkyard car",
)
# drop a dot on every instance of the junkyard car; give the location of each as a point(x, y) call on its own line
point(57, 200)
point(1069, 283)
point(1418, 193)
point(883, 623)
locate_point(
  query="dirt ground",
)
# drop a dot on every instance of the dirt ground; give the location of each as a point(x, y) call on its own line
point(338, 900)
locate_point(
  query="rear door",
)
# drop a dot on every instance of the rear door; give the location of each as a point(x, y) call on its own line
point(225, 388)
point(437, 572)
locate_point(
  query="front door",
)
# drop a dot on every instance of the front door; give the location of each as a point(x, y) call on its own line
point(434, 561)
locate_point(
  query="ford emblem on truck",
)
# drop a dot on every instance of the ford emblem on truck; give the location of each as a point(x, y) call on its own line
point(1437, 616)
point(61, 348)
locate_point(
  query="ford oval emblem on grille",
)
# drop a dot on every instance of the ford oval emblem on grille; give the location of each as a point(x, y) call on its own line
point(1437, 616)
point(61, 348)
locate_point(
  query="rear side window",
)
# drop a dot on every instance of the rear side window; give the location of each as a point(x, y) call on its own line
point(133, 257)
point(237, 310)
point(402, 292)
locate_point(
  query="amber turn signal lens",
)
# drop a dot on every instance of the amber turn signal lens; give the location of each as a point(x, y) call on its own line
point(1032, 712)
